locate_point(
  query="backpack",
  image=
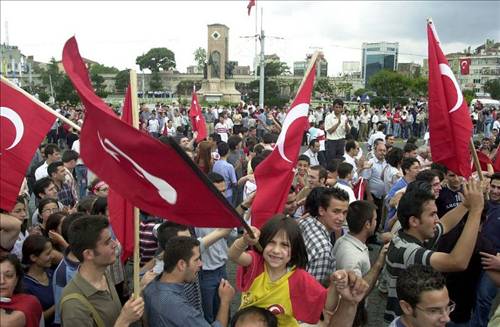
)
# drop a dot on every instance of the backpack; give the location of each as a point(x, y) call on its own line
point(82, 299)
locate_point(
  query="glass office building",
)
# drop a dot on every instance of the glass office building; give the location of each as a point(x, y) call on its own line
point(378, 56)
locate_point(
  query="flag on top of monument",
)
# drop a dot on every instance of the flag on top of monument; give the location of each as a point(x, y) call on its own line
point(450, 126)
point(121, 211)
point(155, 177)
point(275, 174)
point(197, 119)
point(465, 66)
point(251, 3)
point(24, 123)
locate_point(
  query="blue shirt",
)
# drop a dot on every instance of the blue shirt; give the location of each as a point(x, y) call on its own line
point(42, 292)
point(166, 306)
point(64, 272)
point(391, 211)
point(491, 227)
point(225, 169)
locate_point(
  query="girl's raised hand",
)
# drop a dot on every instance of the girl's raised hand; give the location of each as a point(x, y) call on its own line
point(249, 240)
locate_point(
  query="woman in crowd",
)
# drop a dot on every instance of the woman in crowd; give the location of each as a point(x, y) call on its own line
point(16, 308)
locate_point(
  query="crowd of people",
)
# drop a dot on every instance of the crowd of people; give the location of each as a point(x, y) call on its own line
point(364, 183)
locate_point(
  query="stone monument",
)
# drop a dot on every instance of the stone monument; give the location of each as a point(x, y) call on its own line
point(216, 86)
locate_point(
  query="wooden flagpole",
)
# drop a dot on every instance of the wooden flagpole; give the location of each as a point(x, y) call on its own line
point(40, 103)
point(135, 124)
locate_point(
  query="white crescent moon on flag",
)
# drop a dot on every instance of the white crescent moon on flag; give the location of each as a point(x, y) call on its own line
point(301, 110)
point(446, 71)
point(464, 63)
point(16, 120)
point(165, 190)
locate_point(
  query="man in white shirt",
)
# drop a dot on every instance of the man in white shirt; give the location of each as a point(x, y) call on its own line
point(379, 134)
point(336, 127)
point(351, 152)
point(52, 153)
point(312, 152)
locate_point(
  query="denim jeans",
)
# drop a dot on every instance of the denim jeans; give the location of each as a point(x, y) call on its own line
point(81, 180)
point(396, 131)
point(209, 285)
point(486, 292)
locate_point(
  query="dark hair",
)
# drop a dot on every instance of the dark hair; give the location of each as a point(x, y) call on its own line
point(269, 138)
point(84, 233)
point(380, 127)
point(349, 145)
point(412, 205)
point(409, 147)
point(415, 280)
point(254, 314)
point(311, 204)
point(257, 160)
point(178, 248)
point(216, 137)
point(258, 148)
point(233, 142)
point(427, 175)
point(313, 142)
point(344, 169)
point(419, 185)
point(40, 186)
point(44, 202)
point(222, 148)
point(99, 207)
point(377, 142)
point(394, 157)
point(305, 158)
point(86, 203)
point(17, 267)
point(67, 223)
point(53, 221)
point(168, 230)
point(52, 168)
point(51, 148)
point(69, 155)
point(215, 177)
point(333, 165)
point(407, 163)
point(324, 197)
point(34, 244)
point(495, 176)
point(279, 222)
point(358, 214)
point(338, 101)
point(322, 173)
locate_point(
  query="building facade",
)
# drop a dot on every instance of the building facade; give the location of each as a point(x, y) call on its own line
point(378, 56)
point(300, 67)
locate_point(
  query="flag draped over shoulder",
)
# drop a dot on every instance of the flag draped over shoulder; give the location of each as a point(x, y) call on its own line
point(23, 126)
point(197, 119)
point(121, 211)
point(155, 177)
point(450, 126)
point(274, 175)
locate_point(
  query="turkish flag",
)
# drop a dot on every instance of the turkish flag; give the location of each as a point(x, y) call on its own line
point(450, 126)
point(23, 126)
point(156, 177)
point(484, 160)
point(274, 175)
point(121, 211)
point(464, 66)
point(197, 119)
point(496, 165)
point(251, 3)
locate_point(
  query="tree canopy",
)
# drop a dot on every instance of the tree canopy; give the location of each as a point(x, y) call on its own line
point(156, 59)
point(200, 57)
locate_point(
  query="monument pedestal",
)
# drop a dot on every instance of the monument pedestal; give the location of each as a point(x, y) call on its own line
point(217, 90)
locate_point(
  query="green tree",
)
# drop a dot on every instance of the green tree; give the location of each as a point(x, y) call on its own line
point(324, 86)
point(271, 92)
point(493, 88)
point(200, 57)
point(66, 92)
point(274, 68)
point(157, 59)
point(185, 88)
point(122, 80)
point(155, 82)
point(360, 92)
point(418, 86)
point(102, 69)
point(389, 84)
point(345, 88)
point(98, 84)
point(468, 95)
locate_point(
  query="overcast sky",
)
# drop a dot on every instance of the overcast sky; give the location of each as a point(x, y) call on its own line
point(114, 33)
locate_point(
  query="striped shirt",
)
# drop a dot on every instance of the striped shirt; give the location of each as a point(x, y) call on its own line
point(148, 244)
point(404, 251)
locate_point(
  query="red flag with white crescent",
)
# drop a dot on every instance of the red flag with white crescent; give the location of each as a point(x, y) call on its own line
point(197, 119)
point(450, 126)
point(23, 126)
point(274, 175)
point(465, 66)
point(155, 177)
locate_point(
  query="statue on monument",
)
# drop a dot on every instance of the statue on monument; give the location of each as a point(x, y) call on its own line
point(215, 62)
